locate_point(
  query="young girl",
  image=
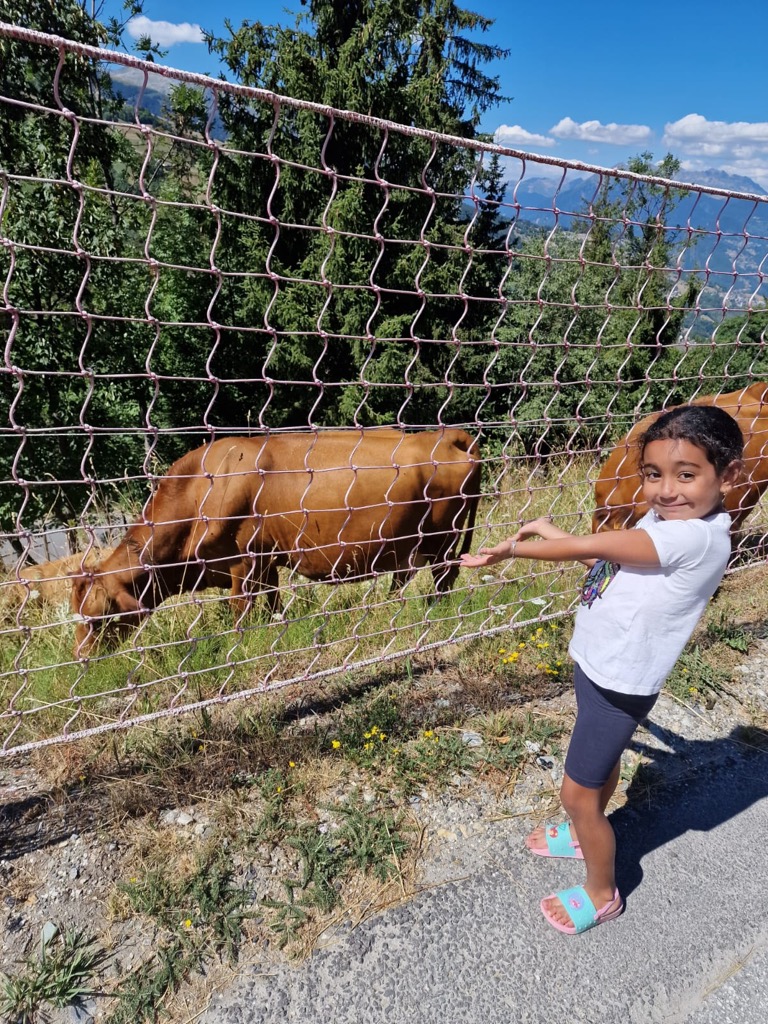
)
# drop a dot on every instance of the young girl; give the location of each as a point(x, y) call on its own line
point(646, 590)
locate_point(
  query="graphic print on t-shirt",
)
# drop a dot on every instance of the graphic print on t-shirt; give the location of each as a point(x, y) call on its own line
point(598, 579)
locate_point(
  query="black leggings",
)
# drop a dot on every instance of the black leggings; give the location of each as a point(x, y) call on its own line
point(605, 722)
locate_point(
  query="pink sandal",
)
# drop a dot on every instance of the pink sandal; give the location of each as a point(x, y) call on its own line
point(560, 843)
point(581, 910)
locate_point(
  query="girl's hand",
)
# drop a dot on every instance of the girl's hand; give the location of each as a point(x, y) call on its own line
point(489, 556)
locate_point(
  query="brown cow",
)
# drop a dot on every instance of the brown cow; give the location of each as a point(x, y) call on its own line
point(334, 506)
point(618, 502)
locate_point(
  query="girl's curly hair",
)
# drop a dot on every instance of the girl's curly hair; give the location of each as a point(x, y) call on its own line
point(708, 427)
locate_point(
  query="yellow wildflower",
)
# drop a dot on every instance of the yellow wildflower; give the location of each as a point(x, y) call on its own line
point(335, 744)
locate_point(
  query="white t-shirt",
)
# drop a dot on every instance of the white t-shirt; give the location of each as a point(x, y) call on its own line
point(633, 623)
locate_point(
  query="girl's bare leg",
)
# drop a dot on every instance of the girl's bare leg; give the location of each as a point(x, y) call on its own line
point(537, 841)
point(598, 844)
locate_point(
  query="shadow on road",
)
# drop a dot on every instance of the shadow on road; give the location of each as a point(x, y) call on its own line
point(694, 785)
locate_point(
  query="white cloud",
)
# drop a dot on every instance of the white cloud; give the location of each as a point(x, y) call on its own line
point(514, 135)
point(164, 33)
point(737, 147)
point(696, 135)
point(594, 131)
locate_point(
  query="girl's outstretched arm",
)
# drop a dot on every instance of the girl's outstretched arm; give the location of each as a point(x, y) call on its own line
point(546, 529)
point(627, 547)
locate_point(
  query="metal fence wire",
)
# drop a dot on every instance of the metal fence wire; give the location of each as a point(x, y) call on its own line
point(269, 366)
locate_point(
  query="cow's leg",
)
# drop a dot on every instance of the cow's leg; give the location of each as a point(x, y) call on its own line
point(406, 570)
point(249, 577)
point(444, 574)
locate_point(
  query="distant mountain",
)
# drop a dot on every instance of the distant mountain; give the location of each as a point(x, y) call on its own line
point(542, 198)
point(128, 83)
point(724, 239)
point(733, 182)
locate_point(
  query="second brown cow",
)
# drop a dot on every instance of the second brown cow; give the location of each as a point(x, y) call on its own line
point(333, 506)
point(618, 501)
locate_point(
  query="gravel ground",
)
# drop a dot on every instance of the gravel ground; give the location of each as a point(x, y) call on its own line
point(56, 867)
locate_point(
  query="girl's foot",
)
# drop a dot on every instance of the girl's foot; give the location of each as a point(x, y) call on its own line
point(554, 841)
point(607, 900)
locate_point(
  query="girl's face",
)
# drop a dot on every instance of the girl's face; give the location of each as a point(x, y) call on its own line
point(679, 481)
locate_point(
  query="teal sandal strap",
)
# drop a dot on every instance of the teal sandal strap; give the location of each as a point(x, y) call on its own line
point(579, 907)
point(560, 842)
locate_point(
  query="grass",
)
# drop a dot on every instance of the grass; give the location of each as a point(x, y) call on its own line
point(310, 786)
point(57, 976)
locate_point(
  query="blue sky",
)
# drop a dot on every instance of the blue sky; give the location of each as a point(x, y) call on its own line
point(589, 81)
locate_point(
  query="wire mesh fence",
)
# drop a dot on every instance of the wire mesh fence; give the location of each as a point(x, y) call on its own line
point(310, 356)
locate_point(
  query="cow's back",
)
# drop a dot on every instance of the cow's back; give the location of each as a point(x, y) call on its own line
point(334, 502)
point(618, 491)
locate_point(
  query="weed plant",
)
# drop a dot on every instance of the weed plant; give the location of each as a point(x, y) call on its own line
point(207, 903)
point(59, 975)
point(198, 916)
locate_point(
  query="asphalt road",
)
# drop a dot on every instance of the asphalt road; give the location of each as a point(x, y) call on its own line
point(692, 945)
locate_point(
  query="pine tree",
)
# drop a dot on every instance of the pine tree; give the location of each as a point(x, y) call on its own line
point(361, 231)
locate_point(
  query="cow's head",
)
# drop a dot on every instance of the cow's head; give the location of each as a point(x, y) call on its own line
point(619, 488)
point(104, 609)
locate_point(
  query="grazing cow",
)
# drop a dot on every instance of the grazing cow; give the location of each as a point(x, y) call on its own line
point(618, 503)
point(334, 506)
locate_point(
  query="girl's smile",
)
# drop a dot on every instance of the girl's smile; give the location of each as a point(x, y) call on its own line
point(679, 481)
